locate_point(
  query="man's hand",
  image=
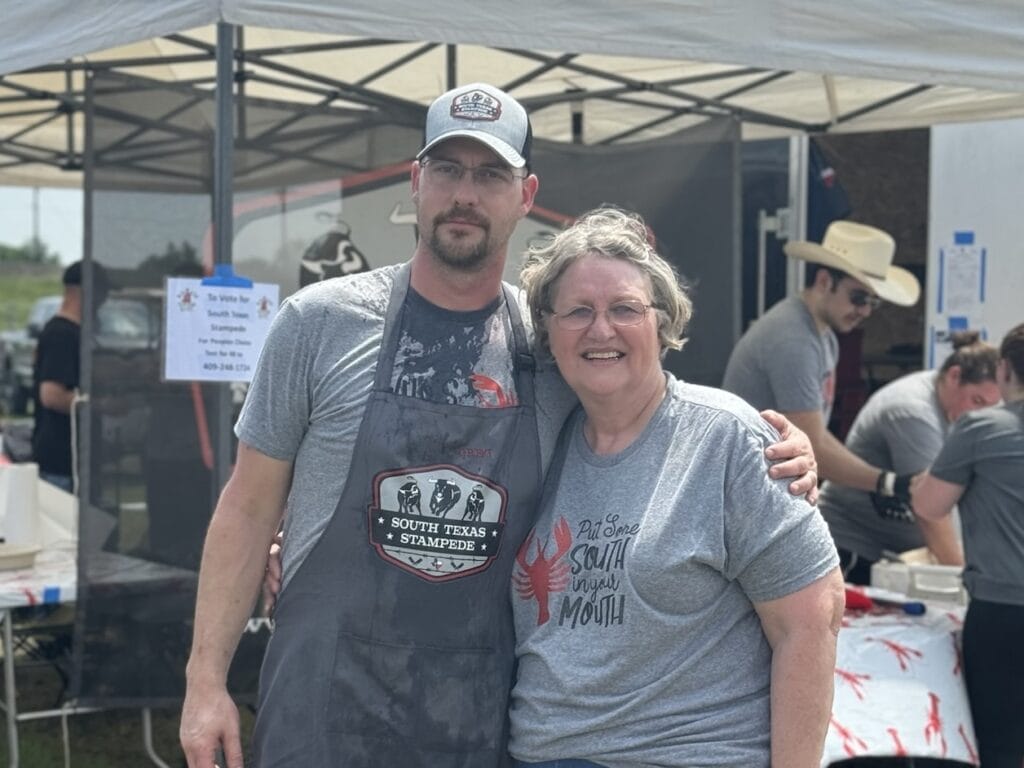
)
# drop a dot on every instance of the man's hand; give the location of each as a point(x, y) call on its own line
point(793, 456)
point(898, 487)
point(892, 508)
point(209, 722)
point(272, 578)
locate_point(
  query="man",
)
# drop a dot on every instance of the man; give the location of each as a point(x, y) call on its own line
point(786, 360)
point(394, 412)
point(55, 376)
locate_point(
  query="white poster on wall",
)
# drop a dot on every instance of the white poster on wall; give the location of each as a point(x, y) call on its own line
point(960, 298)
point(215, 332)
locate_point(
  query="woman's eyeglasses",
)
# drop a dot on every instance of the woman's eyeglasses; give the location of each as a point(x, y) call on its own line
point(622, 314)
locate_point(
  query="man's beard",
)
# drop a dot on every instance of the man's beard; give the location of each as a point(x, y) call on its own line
point(461, 254)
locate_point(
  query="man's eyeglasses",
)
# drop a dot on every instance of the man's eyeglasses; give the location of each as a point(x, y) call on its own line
point(488, 178)
point(623, 314)
point(861, 298)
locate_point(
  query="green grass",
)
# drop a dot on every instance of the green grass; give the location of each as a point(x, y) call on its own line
point(106, 739)
point(19, 289)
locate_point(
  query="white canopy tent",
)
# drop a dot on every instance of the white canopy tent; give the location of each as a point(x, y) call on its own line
point(594, 72)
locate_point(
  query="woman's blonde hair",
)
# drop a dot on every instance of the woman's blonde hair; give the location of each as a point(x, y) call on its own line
point(610, 233)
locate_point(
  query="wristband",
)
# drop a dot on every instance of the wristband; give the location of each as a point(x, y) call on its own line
point(886, 484)
point(901, 487)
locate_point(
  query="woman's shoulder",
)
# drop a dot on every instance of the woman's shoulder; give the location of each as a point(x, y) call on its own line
point(717, 406)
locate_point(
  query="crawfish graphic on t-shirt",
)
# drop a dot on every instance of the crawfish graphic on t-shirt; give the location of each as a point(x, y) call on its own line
point(576, 577)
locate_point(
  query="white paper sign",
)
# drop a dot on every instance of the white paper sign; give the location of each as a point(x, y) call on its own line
point(215, 333)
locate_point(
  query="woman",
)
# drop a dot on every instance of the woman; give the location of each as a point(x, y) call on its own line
point(674, 606)
point(981, 470)
point(901, 428)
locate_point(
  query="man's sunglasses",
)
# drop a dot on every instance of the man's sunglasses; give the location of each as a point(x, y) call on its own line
point(861, 298)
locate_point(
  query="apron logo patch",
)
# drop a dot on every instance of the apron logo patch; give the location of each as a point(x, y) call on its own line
point(438, 522)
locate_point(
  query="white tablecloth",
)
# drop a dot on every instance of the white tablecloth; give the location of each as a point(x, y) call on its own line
point(899, 688)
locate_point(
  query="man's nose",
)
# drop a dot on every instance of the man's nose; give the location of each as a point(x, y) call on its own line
point(466, 191)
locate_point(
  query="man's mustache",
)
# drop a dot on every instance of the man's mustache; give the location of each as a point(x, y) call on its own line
point(467, 215)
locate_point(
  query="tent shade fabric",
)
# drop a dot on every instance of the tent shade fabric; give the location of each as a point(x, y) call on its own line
point(937, 42)
point(594, 73)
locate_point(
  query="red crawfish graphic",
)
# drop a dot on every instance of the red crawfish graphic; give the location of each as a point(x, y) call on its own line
point(854, 680)
point(850, 740)
point(967, 743)
point(902, 652)
point(934, 725)
point(898, 749)
point(545, 574)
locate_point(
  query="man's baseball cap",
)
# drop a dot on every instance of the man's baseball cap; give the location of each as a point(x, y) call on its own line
point(484, 113)
point(74, 273)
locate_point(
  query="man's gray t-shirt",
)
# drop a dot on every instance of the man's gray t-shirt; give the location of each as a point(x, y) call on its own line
point(637, 640)
point(315, 373)
point(985, 453)
point(901, 428)
point(784, 362)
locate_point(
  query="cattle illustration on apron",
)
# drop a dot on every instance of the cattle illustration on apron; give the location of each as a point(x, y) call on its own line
point(394, 640)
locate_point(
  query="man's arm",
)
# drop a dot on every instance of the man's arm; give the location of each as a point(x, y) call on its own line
point(835, 461)
point(55, 396)
point(801, 629)
point(234, 556)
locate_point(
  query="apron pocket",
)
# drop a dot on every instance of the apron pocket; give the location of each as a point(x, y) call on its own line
point(447, 700)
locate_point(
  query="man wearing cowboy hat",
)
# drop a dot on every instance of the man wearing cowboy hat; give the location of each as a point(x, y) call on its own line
point(786, 360)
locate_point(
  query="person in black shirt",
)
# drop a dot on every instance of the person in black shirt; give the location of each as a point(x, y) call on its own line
point(55, 377)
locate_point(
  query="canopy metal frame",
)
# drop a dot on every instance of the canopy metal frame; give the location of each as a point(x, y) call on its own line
point(266, 65)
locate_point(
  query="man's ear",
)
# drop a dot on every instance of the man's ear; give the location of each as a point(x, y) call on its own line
point(530, 185)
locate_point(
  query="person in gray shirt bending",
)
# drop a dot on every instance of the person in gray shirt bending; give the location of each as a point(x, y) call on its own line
point(901, 428)
point(981, 469)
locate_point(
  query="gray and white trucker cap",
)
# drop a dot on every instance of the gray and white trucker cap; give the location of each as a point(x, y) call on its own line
point(484, 113)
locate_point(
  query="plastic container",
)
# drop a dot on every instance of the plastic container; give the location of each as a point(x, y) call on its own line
point(933, 583)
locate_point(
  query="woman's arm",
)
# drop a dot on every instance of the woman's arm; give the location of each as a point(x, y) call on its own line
point(933, 499)
point(801, 629)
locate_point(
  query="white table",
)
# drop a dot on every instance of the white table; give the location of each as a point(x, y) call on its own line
point(899, 688)
point(52, 580)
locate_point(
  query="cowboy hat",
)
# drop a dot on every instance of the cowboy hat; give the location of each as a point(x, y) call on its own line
point(865, 254)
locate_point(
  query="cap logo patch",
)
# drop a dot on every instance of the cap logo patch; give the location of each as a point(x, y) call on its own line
point(476, 105)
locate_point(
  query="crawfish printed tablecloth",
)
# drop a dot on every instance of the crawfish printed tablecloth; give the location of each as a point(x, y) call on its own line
point(899, 688)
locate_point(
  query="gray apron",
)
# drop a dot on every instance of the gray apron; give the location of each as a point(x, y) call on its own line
point(393, 642)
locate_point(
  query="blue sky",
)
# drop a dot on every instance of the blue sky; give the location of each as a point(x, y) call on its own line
point(60, 219)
